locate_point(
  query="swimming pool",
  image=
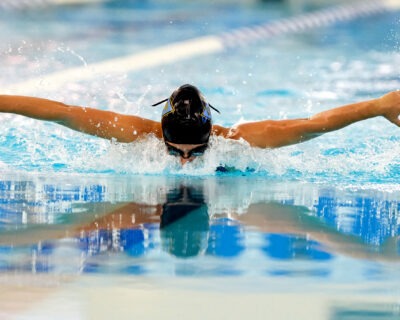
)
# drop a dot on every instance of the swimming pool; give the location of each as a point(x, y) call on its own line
point(307, 231)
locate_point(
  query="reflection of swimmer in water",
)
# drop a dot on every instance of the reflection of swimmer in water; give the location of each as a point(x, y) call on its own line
point(183, 220)
point(186, 121)
point(184, 223)
point(186, 230)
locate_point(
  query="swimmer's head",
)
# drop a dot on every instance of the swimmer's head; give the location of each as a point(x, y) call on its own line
point(186, 117)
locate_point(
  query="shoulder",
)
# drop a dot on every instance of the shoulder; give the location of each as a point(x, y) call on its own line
point(143, 125)
point(218, 130)
point(242, 130)
point(262, 134)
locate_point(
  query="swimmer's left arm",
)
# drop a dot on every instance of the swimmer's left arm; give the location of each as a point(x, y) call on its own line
point(273, 134)
point(100, 123)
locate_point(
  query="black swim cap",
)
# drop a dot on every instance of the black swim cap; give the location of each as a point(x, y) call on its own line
point(186, 117)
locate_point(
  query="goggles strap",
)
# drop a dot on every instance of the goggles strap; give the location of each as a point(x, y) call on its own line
point(165, 100)
point(162, 101)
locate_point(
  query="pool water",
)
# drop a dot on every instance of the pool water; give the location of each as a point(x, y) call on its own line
point(69, 242)
point(284, 77)
point(313, 226)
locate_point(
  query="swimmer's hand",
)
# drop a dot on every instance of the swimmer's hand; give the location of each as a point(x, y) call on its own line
point(389, 105)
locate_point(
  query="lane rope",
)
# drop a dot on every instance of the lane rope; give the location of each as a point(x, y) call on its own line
point(204, 45)
point(302, 22)
point(8, 5)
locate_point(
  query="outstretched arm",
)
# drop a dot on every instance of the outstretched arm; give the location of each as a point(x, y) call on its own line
point(104, 124)
point(272, 134)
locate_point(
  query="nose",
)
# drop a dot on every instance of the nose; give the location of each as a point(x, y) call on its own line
point(185, 160)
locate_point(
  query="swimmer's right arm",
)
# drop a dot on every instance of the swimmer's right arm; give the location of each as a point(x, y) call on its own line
point(279, 133)
point(100, 123)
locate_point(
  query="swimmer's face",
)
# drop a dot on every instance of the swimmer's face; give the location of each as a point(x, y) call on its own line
point(186, 152)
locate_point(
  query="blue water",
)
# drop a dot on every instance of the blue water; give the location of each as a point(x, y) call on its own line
point(216, 225)
point(289, 76)
point(319, 217)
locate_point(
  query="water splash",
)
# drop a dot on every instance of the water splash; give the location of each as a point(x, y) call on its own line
point(351, 157)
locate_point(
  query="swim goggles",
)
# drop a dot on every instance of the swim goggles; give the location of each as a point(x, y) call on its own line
point(196, 152)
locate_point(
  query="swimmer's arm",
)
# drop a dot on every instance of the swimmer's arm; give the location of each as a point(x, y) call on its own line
point(295, 220)
point(100, 123)
point(273, 134)
point(90, 217)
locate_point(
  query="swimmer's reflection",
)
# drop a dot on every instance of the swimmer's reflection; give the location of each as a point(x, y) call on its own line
point(186, 229)
point(184, 223)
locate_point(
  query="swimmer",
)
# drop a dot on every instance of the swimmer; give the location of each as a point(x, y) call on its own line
point(186, 123)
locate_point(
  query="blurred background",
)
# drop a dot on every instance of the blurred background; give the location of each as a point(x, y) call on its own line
point(296, 4)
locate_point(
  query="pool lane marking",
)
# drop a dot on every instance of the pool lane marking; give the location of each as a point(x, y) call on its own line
point(150, 58)
point(202, 46)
